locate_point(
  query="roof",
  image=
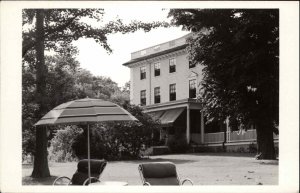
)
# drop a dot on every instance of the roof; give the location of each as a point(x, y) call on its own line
point(156, 54)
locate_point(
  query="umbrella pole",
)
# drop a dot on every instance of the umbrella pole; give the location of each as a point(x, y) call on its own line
point(89, 152)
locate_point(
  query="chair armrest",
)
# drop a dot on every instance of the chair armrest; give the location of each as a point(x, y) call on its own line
point(187, 180)
point(61, 177)
point(87, 180)
point(146, 184)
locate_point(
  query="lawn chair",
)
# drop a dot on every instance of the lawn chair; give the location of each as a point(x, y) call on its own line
point(81, 175)
point(160, 173)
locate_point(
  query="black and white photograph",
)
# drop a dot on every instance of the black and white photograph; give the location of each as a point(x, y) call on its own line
point(137, 94)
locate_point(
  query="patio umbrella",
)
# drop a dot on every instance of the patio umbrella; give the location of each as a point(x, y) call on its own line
point(84, 112)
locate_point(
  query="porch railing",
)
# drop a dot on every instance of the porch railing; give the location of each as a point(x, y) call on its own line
point(235, 136)
point(214, 137)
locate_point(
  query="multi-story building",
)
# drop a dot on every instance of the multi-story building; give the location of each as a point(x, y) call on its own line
point(166, 84)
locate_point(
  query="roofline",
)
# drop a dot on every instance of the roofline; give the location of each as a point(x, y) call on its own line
point(189, 34)
point(172, 104)
point(155, 54)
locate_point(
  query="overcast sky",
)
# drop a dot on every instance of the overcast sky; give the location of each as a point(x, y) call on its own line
point(94, 58)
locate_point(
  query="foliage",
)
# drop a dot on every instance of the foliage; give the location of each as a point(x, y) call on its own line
point(65, 82)
point(239, 50)
point(62, 26)
point(54, 30)
point(118, 140)
point(178, 144)
point(60, 149)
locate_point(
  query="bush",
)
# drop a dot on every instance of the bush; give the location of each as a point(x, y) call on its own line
point(118, 140)
point(178, 144)
point(60, 149)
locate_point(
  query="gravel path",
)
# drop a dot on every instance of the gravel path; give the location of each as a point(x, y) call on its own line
point(203, 169)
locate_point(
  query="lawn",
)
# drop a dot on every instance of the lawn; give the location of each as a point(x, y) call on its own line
point(202, 168)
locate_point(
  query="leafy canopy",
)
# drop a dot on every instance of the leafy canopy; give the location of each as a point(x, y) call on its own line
point(62, 26)
point(239, 50)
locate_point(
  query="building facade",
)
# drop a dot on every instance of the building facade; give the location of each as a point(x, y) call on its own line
point(166, 84)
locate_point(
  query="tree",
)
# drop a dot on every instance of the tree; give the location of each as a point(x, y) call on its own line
point(239, 50)
point(118, 140)
point(55, 29)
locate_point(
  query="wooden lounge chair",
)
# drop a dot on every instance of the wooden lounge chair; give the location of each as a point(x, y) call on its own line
point(81, 175)
point(160, 173)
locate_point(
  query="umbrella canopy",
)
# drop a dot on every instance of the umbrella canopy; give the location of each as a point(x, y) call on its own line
point(84, 111)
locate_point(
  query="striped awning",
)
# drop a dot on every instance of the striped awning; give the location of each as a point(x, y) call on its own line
point(156, 115)
point(85, 111)
point(170, 116)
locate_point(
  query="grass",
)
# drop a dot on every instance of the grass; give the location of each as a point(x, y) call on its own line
point(202, 168)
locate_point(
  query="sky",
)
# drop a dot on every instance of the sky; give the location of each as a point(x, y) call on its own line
point(94, 58)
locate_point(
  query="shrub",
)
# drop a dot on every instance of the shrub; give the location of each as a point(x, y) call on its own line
point(178, 144)
point(60, 149)
point(118, 140)
point(252, 148)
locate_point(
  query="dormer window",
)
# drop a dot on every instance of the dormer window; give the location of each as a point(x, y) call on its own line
point(156, 48)
point(172, 43)
point(143, 52)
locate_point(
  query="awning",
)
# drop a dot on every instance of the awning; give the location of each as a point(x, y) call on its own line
point(156, 115)
point(170, 116)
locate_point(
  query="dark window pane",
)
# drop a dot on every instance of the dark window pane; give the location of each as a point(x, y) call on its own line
point(192, 89)
point(143, 72)
point(157, 99)
point(157, 69)
point(172, 65)
point(192, 64)
point(172, 92)
point(172, 96)
point(143, 97)
point(156, 72)
point(157, 95)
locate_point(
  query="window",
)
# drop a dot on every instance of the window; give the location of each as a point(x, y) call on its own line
point(143, 97)
point(192, 90)
point(172, 43)
point(157, 95)
point(143, 72)
point(157, 69)
point(192, 64)
point(172, 92)
point(172, 65)
point(156, 48)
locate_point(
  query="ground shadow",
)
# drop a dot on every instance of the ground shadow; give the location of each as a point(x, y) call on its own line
point(225, 154)
point(175, 161)
point(38, 181)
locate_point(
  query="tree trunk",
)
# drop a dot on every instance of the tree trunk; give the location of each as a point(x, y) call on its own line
point(265, 142)
point(40, 168)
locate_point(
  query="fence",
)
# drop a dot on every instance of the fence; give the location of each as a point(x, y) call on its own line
point(235, 136)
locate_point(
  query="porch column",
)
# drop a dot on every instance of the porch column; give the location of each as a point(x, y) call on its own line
point(202, 128)
point(188, 125)
point(227, 130)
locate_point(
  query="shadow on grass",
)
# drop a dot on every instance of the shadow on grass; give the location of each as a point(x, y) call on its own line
point(175, 161)
point(223, 154)
point(38, 181)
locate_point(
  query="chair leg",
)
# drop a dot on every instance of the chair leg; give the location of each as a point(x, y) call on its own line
point(187, 180)
point(86, 182)
point(57, 180)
